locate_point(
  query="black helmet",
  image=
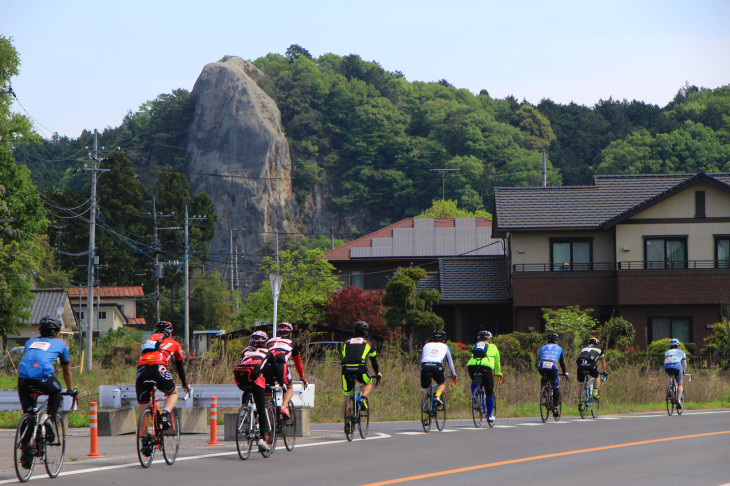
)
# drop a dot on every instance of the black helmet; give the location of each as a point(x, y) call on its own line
point(361, 328)
point(164, 326)
point(553, 337)
point(484, 335)
point(592, 341)
point(439, 336)
point(49, 325)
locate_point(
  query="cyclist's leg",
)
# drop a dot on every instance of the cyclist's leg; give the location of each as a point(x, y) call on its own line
point(439, 377)
point(472, 371)
point(596, 381)
point(488, 384)
point(580, 378)
point(680, 386)
point(259, 398)
point(555, 381)
point(140, 388)
point(348, 383)
point(167, 386)
point(28, 402)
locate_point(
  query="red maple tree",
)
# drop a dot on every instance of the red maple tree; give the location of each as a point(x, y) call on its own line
point(352, 304)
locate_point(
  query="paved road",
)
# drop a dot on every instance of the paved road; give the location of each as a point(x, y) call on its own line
point(644, 449)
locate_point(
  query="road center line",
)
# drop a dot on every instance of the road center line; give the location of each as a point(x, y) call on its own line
point(535, 458)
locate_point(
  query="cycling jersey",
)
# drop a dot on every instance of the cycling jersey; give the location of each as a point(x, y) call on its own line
point(40, 354)
point(434, 353)
point(355, 352)
point(550, 355)
point(675, 358)
point(161, 353)
point(282, 348)
point(249, 370)
point(491, 357)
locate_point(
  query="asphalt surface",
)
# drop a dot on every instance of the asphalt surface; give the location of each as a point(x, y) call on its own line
point(643, 449)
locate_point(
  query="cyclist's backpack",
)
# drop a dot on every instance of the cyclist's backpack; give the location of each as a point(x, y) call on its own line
point(152, 344)
point(480, 349)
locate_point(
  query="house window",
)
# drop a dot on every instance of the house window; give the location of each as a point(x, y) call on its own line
point(665, 252)
point(700, 204)
point(671, 327)
point(357, 279)
point(722, 251)
point(376, 280)
point(102, 315)
point(572, 254)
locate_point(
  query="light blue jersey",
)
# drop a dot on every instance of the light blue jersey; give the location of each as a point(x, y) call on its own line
point(675, 359)
point(40, 354)
point(550, 355)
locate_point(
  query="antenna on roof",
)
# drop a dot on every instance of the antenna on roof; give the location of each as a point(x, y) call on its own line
point(443, 187)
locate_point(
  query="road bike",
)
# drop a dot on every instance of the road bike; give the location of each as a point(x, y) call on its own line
point(432, 410)
point(286, 427)
point(671, 395)
point(152, 434)
point(357, 413)
point(479, 403)
point(41, 439)
point(247, 427)
point(587, 402)
point(547, 404)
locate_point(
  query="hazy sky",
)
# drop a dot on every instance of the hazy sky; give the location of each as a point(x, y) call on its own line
point(86, 64)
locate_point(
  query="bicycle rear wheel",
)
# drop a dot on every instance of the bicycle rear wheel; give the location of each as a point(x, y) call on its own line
point(271, 416)
point(440, 413)
point(426, 412)
point(289, 428)
point(145, 437)
point(477, 400)
point(244, 431)
point(545, 403)
point(350, 417)
point(680, 409)
point(670, 400)
point(25, 427)
point(363, 422)
point(171, 439)
point(494, 412)
point(583, 402)
point(56, 450)
point(596, 407)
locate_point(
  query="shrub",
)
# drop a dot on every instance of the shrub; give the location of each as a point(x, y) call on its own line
point(571, 321)
point(658, 348)
point(616, 359)
point(719, 341)
point(512, 354)
point(617, 333)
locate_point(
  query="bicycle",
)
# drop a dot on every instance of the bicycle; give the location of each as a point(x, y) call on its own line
point(479, 403)
point(431, 410)
point(587, 402)
point(151, 433)
point(546, 400)
point(671, 396)
point(32, 436)
point(357, 413)
point(247, 428)
point(286, 427)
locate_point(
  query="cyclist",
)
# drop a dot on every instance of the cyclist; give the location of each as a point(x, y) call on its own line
point(549, 356)
point(587, 362)
point(432, 367)
point(157, 353)
point(355, 351)
point(675, 363)
point(485, 360)
point(282, 348)
point(35, 374)
point(249, 377)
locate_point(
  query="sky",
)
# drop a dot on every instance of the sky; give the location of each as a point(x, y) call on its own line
point(85, 65)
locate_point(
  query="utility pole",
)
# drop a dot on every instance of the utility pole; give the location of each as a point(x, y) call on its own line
point(443, 187)
point(544, 170)
point(187, 284)
point(158, 273)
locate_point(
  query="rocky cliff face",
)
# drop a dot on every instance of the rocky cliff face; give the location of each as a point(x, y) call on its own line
point(238, 154)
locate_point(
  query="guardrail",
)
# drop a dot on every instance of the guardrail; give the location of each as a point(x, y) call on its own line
point(9, 400)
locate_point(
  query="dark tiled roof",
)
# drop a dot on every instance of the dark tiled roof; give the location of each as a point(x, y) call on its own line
point(470, 280)
point(45, 302)
point(587, 207)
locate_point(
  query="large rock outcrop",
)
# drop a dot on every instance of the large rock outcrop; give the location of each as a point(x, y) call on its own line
point(238, 154)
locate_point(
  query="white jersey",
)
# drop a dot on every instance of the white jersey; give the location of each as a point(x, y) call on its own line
point(435, 353)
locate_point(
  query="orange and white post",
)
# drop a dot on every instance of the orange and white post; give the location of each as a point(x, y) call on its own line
point(213, 422)
point(93, 432)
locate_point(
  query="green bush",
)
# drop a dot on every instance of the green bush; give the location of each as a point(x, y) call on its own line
point(616, 359)
point(512, 354)
point(658, 348)
point(617, 333)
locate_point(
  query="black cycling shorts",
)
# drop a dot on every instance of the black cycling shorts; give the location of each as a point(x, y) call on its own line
point(157, 373)
point(431, 371)
point(351, 374)
point(583, 371)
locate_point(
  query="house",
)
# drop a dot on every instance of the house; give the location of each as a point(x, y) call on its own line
point(46, 302)
point(654, 249)
point(116, 307)
point(462, 260)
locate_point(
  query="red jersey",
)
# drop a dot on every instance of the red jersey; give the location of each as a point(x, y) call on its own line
point(167, 349)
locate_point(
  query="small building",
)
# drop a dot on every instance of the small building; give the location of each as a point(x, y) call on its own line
point(203, 339)
point(115, 307)
point(46, 302)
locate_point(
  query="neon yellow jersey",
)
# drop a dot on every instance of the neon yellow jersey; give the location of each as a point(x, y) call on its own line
point(491, 360)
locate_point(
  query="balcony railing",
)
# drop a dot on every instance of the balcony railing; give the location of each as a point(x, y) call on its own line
point(613, 266)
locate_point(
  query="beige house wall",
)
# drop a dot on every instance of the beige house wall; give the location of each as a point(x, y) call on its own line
point(534, 247)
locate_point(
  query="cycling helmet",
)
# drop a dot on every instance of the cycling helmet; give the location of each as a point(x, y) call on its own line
point(361, 328)
point(258, 339)
point(164, 326)
point(674, 343)
point(49, 325)
point(553, 337)
point(484, 335)
point(439, 336)
point(592, 341)
point(284, 328)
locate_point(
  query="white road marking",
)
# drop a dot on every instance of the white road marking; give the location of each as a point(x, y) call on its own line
point(529, 424)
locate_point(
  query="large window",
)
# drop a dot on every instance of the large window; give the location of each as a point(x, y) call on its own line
point(665, 251)
point(570, 254)
point(722, 251)
point(671, 327)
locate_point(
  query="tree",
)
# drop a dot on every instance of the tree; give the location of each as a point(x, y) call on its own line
point(719, 341)
point(617, 333)
point(535, 127)
point(448, 209)
point(308, 281)
point(212, 304)
point(352, 304)
point(571, 321)
point(22, 218)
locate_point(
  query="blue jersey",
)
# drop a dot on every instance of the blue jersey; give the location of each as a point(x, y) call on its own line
point(40, 354)
point(550, 355)
point(675, 358)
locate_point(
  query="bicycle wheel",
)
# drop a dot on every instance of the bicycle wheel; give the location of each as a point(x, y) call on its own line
point(670, 400)
point(171, 439)
point(26, 423)
point(289, 428)
point(145, 438)
point(596, 407)
point(494, 413)
point(477, 399)
point(559, 409)
point(546, 405)
point(56, 450)
point(363, 422)
point(680, 409)
point(440, 413)
point(244, 431)
point(426, 413)
point(583, 402)
point(350, 417)
point(271, 416)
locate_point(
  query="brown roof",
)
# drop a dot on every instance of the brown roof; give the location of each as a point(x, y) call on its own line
point(137, 321)
point(107, 292)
